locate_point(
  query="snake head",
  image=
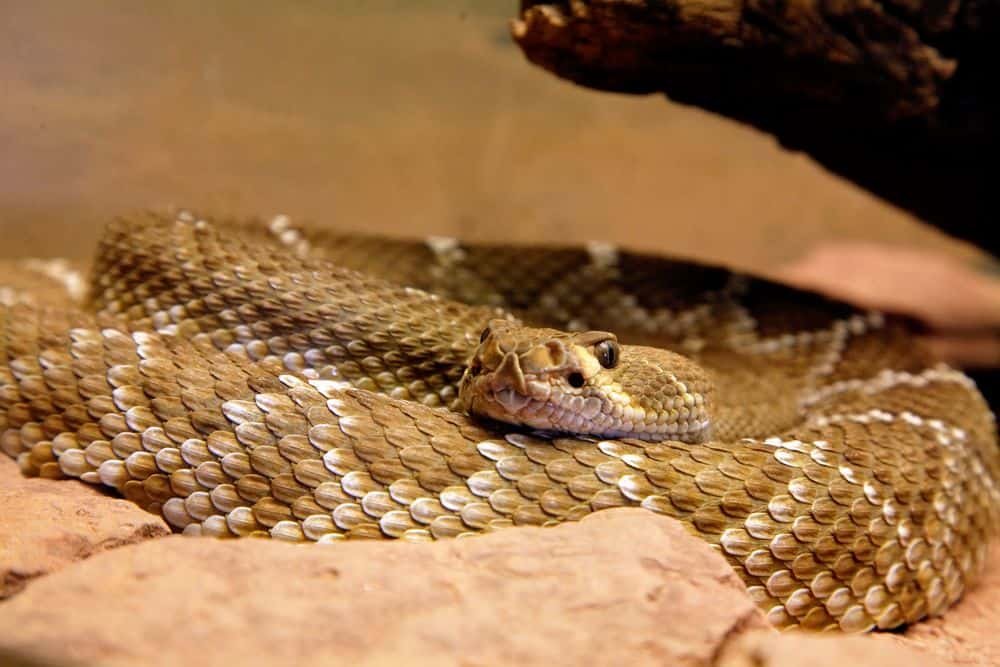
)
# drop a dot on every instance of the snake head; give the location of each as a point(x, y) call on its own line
point(586, 384)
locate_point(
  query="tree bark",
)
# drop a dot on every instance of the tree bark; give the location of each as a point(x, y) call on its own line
point(896, 95)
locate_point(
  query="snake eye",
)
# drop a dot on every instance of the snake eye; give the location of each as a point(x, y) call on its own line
point(607, 353)
point(483, 336)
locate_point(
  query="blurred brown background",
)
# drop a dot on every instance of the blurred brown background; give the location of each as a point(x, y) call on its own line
point(384, 117)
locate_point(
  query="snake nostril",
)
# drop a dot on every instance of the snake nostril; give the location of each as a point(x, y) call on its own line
point(575, 380)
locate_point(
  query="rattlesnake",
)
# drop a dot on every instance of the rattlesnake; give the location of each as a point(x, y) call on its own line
point(244, 379)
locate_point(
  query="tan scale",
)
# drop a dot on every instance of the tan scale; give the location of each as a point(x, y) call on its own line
point(230, 377)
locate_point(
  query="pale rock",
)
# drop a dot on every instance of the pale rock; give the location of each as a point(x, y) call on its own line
point(622, 586)
point(47, 524)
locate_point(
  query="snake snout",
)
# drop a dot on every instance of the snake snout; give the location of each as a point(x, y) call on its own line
point(508, 375)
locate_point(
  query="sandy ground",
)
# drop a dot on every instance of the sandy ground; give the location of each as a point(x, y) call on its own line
point(375, 116)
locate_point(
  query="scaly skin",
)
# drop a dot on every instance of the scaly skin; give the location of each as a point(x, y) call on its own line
point(241, 389)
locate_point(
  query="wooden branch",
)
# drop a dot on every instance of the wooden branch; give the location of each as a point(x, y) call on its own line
point(897, 95)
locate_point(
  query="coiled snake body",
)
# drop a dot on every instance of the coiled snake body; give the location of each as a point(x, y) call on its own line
point(243, 380)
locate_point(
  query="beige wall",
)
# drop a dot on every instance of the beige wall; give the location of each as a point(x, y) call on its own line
point(380, 118)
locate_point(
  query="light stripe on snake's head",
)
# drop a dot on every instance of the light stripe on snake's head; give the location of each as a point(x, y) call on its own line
point(585, 384)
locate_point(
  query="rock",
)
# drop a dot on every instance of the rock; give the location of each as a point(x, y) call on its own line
point(620, 586)
point(48, 524)
point(762, 649)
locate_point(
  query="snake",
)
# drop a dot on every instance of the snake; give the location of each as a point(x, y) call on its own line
point(259, 378)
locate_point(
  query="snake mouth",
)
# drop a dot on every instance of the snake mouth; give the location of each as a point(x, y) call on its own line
point(547, 409)
point(511, 400)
